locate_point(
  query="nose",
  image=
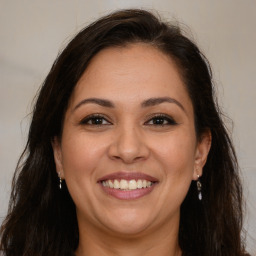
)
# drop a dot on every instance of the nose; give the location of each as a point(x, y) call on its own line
point(128, 146)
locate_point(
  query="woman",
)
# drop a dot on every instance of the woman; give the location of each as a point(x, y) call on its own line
point(127, 153)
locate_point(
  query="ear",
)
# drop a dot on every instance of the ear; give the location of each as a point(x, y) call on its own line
point(202, 150)
point(57, 153)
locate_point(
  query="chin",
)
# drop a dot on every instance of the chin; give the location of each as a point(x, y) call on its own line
point(128, 223)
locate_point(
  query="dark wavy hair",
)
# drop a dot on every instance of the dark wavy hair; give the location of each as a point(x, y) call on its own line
point(41, 219)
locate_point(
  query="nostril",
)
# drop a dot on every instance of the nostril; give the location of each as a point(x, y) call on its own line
point(128, 158)
point(128, 146)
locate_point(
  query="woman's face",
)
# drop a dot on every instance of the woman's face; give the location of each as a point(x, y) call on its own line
point(129, 151)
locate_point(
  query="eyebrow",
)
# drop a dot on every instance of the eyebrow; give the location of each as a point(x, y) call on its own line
point(101, 102)
point(156, 101)
point(147, 103)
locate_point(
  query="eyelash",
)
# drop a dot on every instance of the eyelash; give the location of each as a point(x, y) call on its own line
point(167, 120)
point(164, 120)
point(92, 118)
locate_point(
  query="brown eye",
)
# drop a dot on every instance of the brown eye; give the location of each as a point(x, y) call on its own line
point(161, 120)
point(95, 120)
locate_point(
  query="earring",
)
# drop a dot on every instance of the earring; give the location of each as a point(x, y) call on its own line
point(199, 188)
point(60, 180)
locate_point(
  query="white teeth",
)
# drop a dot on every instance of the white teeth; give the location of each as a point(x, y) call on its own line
point(139, 184)
point(124, 184)
point(127, 184)
point(116, 184)
point(111, 184)
point(132, 184)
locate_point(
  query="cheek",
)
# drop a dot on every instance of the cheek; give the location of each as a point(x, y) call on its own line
point(80, 158)
point(177, 153)
point(174, 155)
point(177, 159)
point(81, 154)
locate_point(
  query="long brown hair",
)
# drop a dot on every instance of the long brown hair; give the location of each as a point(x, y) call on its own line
point(42, 220)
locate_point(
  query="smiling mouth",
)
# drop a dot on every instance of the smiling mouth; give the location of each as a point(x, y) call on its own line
point(127, 185)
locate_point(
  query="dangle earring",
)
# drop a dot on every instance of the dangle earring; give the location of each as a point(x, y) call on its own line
point(199, 188)
point(60, 180)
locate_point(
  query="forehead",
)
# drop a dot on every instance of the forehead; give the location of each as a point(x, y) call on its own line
point(136, 71)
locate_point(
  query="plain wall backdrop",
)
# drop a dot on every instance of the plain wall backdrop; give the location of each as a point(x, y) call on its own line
point(32, 32)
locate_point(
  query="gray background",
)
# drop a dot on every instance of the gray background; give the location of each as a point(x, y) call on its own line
point(32, 32)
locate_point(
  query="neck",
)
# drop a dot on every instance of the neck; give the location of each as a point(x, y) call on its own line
point(164, 242)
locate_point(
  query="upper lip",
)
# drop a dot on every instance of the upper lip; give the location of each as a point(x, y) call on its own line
point(128, 176)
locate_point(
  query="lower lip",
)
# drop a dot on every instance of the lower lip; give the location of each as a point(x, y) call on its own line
point(128, 194)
